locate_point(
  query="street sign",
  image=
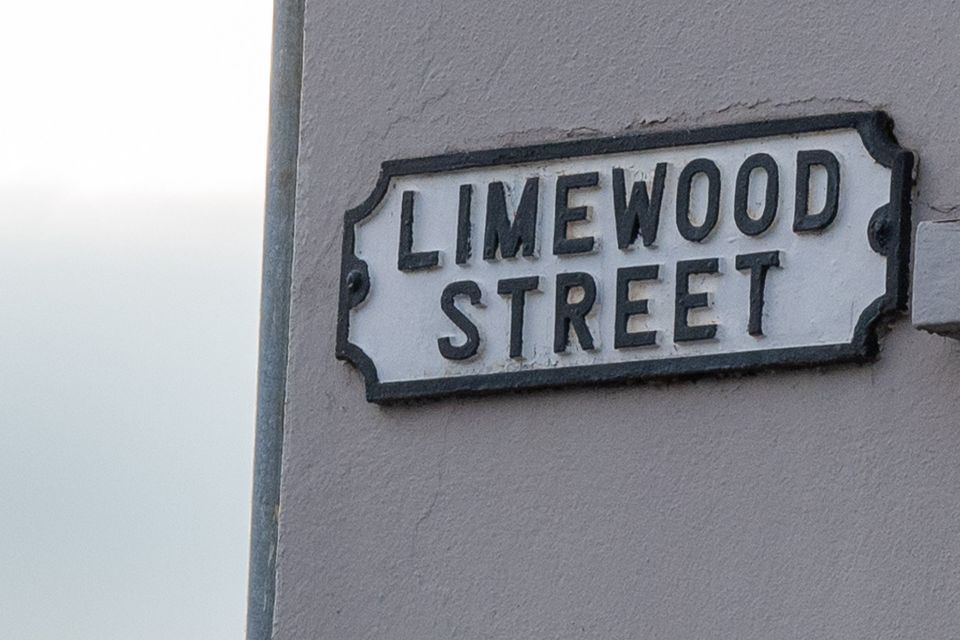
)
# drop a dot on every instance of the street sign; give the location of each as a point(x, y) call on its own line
point(660, 255)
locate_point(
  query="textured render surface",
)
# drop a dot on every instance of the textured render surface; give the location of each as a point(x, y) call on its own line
point(815, 504)
point(936, 285)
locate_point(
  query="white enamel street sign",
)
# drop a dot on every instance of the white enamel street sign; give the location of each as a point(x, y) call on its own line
point(743, 247)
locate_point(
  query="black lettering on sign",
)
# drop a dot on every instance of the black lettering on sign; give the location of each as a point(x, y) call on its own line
point(516, 289)
point(641, 215)
point(573, 314)
point(758, 264)
point(407, 258)
point(685, 301)
point(803, 220)
point(627, 308)
point(563, 214)
point(687, 229)
point(469, 348)
point(463, 224)
point(508, 236)
point(755, 226)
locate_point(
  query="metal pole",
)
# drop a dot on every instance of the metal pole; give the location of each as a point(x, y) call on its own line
point(286, 69)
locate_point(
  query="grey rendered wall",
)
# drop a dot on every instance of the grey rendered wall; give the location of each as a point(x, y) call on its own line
point(816, 504)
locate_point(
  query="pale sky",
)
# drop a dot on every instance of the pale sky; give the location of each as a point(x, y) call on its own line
point(132, 152)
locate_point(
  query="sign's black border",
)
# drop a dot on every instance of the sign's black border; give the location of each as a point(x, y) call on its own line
point(889, 234)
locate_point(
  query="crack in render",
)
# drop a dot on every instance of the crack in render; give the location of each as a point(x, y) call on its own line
point(939, 208)
point(749, 106)
point(441, 466)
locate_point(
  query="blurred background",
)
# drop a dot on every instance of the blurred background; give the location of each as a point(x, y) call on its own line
point(132, 162)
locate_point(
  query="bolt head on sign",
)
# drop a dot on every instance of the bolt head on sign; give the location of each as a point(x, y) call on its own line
point(735, 248)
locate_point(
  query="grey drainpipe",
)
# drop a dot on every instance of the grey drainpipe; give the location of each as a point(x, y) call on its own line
point(284, 137)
